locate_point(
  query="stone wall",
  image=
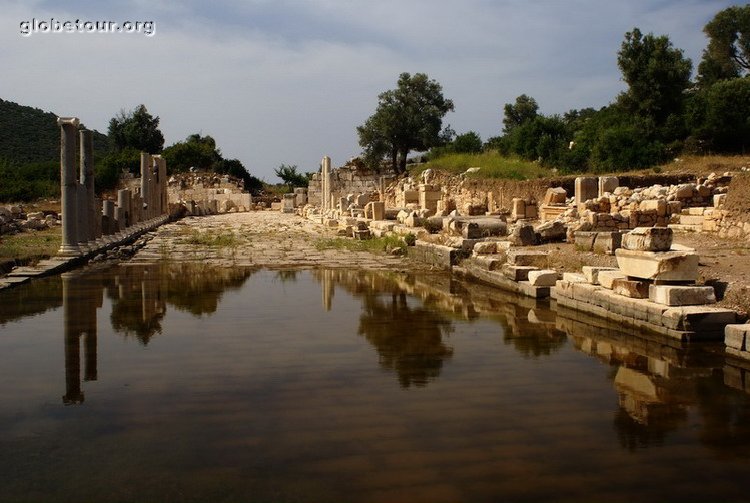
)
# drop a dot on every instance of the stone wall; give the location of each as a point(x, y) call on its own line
point(203, 188)
point(348, 179)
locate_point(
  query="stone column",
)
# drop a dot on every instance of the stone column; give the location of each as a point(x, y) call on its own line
point(98, 219)
point(145, 183)
point(87, 181)
point(123, 209)
point(108, 217)
point(82, 218)
point(69, 187)
point(326, 195)
point(164, 206)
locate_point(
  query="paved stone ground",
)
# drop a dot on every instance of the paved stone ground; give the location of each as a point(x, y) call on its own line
point(262, 238)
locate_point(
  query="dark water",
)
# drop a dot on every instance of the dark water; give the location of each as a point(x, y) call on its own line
point(179, 383)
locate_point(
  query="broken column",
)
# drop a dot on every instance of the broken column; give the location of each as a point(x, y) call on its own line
point(145, 183)
point(109, 224)
point(326, 186)
point(69, 187)
point(123, 209)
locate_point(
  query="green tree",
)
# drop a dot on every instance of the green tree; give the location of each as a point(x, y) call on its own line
point(719, 116)
point(523, 110)
point(728, 53)
point(196, 151)
point(467, 143)
point(657, 75)
point(289, 175)
point(136, 129)
point(407, 118)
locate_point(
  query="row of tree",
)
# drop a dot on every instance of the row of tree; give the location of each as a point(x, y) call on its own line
point(661, 114)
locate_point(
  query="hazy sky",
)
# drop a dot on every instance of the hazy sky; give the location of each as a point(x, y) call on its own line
point(281, 81)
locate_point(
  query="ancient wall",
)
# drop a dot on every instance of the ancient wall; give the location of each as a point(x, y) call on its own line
point(346, 180)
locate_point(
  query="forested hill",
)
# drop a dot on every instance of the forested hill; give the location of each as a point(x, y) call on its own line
point(30, 135)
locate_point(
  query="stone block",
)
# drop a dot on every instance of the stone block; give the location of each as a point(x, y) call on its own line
point(532, 258)
point(487, 262)
point(672, 295)
point(523, 235)
point(607, 184)
point(544, 277)
point(555, 195)
point(663, 266)
point(607, 278)
point(574, 277)
point(648, 239)
point(517, 272)
point(552, 231)
point(378, 210)
point(518, 208)
point(584, 240)
point(592, 273)
point(735, 336)
point(698, 318)
point(719, 200)
point(630, 288)
point(657, 205)
point(485, 248)
point(532, 212)
point(470, 230)
point(607, 242)
point(586, 187)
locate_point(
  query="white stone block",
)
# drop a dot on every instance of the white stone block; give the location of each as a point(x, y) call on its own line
point(592, 273)
point(607, 278)
point(574, 277)
point(533, 258)
point(735, 336)
point(672, 295)
point(648, 239)
point(544, 277)
point(664, 266)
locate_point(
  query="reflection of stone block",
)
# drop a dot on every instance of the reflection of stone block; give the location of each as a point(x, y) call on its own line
point(648, 239)
point(664, 266)
point(670, 295)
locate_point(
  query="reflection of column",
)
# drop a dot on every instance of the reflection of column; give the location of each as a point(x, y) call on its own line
point(73, 393)
point(69, 186)
point(88, 322)
point(327, 286)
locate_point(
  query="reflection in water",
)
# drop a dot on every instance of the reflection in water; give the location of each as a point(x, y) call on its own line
point(79, 318)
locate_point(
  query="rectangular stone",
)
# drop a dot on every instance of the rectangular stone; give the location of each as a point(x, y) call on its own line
point(607, 242)
point(735, 336)
point(648, 239)
point(534, 258)
point(574, 277)
point(592, 273)
point(585, 240)
point(630, 288)
point(670, 295)
point(486, 262)
point(606, 278)
point(607, 184)
point(665, 266)
point(586, 187)
point(517, 272)
point(544, 277)
point(698, 318)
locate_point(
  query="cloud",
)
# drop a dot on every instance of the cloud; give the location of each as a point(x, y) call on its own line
point(288, 81)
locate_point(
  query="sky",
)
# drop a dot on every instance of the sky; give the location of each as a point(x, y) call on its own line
point(284, 81)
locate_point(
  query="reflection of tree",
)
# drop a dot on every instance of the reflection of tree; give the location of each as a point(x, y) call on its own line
point(409, 341)
point(287, 276)
point(534, 341)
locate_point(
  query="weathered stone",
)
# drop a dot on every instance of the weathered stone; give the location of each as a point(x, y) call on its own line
point(657, 205)
point(517, 272)
point(607, 184)
point(574, 277)
point(533, 258)
point(698, 318)
point(607, 242)
point(648, 239)
point(470, 230)
point(544, 277)
point(552, 231)
point(518, 209)
point(523, 235)
point(607, 278)
point(592, 273)
point(664, 266)
point(485, 248)
point(378, 210)
point(555, 195)
point(735, 336)
point(672, 295)
point(586, 187)
point(630, 288)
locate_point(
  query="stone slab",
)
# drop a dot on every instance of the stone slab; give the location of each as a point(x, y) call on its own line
point(438, 255)
point(665, 266)
point(498, 280)
point(534, 258)
point(648, 239)
point(670, 295)
point(517, 272)
point(735, 336)
point(592, 273)
point(630, 288)
point(698, 318)
point(544, 277)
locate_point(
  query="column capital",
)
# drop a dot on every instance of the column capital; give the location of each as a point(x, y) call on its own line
point(62, 121)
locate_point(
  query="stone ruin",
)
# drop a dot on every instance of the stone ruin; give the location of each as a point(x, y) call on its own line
point(90, 224)
point(208, 194)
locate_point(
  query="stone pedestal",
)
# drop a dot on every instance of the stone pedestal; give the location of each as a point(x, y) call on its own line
point(608, 184)
point(661, 266)
point(69, 187)
point(586, 187)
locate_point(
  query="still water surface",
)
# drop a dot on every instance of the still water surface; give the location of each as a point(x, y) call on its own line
point(184, 383)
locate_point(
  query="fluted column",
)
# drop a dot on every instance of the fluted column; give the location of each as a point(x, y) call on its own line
point(69, 187)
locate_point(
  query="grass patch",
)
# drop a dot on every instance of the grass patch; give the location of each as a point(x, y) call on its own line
point(212, 239)
point(492, 164)
point(30, 247)
point(373, 245)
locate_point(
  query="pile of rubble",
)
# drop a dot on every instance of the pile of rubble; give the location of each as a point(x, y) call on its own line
point(14, 219)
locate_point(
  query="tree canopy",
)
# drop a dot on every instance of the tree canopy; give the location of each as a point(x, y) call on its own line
point(523, 110)
point(196, 151)
point(136, 129)
point(289, 175)
point(407, 118)
point(728, 53)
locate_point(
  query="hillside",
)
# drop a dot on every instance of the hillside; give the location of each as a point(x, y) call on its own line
point(30, 135)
